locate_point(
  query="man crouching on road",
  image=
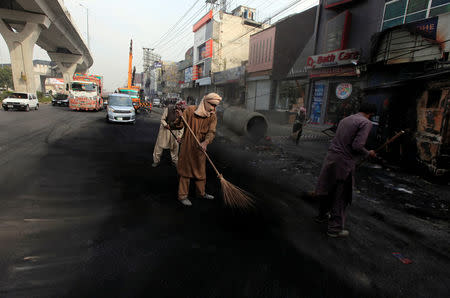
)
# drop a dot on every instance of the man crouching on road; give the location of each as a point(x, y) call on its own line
point(192, 161)
point(336, 179)
point(169, 137)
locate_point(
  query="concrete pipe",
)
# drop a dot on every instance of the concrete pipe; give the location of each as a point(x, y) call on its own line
point(251, 124)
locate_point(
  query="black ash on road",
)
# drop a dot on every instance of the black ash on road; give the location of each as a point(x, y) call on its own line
point(83, 213)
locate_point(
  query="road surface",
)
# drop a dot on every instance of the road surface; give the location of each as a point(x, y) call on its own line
point(83, 213)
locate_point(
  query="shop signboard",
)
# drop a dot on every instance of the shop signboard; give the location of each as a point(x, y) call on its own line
point(348, 56)
point(232, 75)
point(316, 108)
point(344, 90)
point(204, 81)
point(188, 74)
point(340, 71)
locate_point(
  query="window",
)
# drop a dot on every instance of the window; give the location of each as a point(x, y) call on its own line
point(337, 31)
point(397, 12)
point(260, 51)
point(264, 52)
point(270, 49)
point(252, 59)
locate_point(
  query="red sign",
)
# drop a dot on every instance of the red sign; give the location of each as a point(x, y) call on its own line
point(205, 19)
point(343, 57)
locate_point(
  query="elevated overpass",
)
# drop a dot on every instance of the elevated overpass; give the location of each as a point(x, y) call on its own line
point(47, 23)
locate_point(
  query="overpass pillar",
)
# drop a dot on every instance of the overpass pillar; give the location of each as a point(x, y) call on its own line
point(67, 64)
point(21, 30)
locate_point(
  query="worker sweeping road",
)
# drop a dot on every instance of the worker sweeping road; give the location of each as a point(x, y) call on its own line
point(335, 184)
point(168, 136)
point(192, 160)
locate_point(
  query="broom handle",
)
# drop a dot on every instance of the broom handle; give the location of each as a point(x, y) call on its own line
point(198, 142)
point(390, 140)
point(384, 145)
point(173, 133)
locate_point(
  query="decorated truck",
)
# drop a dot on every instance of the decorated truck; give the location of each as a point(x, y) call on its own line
point(85, 92)
point(134, 93)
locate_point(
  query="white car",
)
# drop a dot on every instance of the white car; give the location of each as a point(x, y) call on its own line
point(120, 108)
point(21, 101)
point(156, 102)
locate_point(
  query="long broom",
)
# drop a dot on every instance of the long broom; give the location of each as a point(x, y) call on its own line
point(233, 196)
point(397, 135)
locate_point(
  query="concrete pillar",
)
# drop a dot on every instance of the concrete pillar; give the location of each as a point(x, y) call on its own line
point(67, 64)
point(20, 40)
point(42, 83)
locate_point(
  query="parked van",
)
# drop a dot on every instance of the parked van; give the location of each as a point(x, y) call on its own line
point(21, 101)
point(120, 108)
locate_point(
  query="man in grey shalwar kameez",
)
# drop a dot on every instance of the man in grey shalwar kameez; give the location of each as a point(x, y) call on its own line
point(168, 137)
point(334, 187)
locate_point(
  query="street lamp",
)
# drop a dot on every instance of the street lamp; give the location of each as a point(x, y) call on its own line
point(87, 25)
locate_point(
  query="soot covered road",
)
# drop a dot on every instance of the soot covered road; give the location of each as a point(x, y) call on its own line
point(83, 213)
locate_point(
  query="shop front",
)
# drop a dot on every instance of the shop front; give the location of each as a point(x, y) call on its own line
point(336, 85)
point(258, 93)
point(230, 84)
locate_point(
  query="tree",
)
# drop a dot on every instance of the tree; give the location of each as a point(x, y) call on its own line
point(6, 77)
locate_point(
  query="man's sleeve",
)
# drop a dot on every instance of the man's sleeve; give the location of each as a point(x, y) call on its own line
point(164, 117)
point(211, 131)
point(361, 137)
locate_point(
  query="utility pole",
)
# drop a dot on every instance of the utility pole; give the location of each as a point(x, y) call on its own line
point(223, 5)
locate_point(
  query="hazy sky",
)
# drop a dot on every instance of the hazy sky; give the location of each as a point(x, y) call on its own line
point(112, 23)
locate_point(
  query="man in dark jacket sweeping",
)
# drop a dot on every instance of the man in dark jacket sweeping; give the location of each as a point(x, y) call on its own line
point(336, 179)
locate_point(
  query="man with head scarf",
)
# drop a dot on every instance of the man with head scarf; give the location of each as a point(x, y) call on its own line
point(192, 160)
point(169, 136)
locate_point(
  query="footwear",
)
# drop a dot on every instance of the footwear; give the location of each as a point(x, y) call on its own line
point(186, 202)
point(155, 164)
point(322, 218)
point(340, 234)
point(207, 196)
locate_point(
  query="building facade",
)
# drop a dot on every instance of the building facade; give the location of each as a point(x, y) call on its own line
point(221, 42)
point(342, 47)
point(272, 88)
point(409, 80)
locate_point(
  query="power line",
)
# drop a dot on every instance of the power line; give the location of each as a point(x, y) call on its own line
point(287, 7)
point(292, 4)
point(176, 24)
point(182, 29)
point(167, 43)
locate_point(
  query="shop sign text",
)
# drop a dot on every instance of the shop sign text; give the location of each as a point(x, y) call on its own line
point(332, 59)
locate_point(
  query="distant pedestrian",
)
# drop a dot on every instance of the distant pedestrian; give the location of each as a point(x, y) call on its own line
point(335, 184)
point(192, 162)
point(169, 137)
point(299, 121)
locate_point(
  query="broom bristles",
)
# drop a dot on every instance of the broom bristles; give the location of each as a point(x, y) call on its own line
point(234, 196)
